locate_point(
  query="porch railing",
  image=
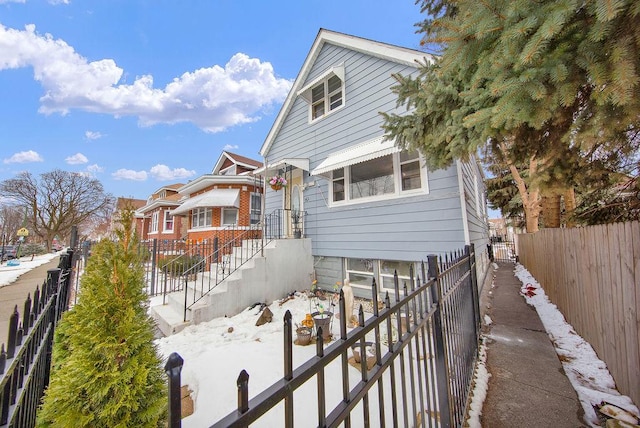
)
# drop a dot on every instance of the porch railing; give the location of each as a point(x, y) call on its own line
point(235, 248)
point(423, 366)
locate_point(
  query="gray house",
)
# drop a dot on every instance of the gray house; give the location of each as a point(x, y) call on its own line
point(369, 208)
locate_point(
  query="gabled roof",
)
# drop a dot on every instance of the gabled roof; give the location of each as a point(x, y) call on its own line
point(237, 159)
point(386, 51)
point(174, 187)
point(122, 203)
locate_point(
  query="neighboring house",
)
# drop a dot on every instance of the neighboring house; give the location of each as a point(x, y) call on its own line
point(123, 204)
point(229, 197)
point(157, 221)
point(370, 208)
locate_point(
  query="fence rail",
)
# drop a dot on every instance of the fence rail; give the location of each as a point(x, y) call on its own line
point(592, 275)
point(26, 361)
point(425, 347)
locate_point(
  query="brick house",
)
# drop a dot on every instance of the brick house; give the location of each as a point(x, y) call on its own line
point(229, 197)
point(154, 218)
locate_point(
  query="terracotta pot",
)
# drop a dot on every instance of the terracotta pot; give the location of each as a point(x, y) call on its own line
point(276, 187)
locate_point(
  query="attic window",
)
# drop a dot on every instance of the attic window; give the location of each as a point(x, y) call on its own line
point(325, 94)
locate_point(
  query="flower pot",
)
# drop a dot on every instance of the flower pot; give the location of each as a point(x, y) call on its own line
point(304, 336)
point(323, 320)
point(276, 187)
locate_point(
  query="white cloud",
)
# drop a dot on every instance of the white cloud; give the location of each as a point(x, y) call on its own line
point(24, 157)
point(129, 174)
point(95, 168)
point(212, 98)
point(76, 159)
point(164, 173)
point(12, 1)
point(91, 135)
point(56, 2)
point(230, 147)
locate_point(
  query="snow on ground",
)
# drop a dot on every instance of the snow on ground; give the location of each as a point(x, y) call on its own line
point(235, 343)
point(586, 372)
point(9, 274)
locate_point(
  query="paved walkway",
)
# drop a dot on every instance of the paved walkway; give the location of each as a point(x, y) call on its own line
point(527, 387)
point(16, 293)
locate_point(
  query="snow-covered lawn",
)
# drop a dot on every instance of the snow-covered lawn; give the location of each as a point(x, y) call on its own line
point(235, 343)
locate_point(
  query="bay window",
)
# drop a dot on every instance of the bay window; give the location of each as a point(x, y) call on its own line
point(201, 217)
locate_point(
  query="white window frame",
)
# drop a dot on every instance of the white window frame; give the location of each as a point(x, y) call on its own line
point(306, 92)
point(153, 226)
point(230, 170)
point(397, 176)
point(168, 219)
point(205, 213)
point(222, 213)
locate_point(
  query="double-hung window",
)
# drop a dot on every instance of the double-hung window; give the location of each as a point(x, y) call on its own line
point(326, 96)
point(153, 227)
point(256, 208)
point(201, 217)
point(168, 221)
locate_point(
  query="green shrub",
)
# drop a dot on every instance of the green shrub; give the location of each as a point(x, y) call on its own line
point(177, 265)
point(106, 371)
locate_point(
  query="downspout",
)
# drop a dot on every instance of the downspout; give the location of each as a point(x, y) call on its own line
point(463, 203)
point(263, 179)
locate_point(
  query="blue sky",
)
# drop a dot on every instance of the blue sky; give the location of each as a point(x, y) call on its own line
point(142, 94)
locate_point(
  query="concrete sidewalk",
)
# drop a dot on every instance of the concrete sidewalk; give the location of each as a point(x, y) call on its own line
point(16, 293)
point(528, 386)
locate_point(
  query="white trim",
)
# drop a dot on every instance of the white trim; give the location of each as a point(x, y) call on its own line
point(222, 211)
point(301, 163)
point(397, 183)
point(306, 90)
point(167, 212)
point(366, 151)
point(389, 52)
point(463, 203)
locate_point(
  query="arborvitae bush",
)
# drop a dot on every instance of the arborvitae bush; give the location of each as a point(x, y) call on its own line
point(106, 371)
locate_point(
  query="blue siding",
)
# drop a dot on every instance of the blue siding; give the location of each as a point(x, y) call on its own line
point(406, 228)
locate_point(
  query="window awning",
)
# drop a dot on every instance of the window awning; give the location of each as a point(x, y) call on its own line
point(302, 163)
point(212, 198)
point(362, 152)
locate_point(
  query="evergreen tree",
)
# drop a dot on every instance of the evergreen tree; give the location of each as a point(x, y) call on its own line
point(106, 371)
point(547, 82)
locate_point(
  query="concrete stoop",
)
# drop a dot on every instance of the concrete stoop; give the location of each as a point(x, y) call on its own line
point(287, 265)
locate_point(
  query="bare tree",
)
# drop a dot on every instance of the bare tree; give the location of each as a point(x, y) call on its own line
point(10, 220)
point(57, 201)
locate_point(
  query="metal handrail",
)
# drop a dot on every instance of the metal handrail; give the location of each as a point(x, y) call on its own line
point(224, 258)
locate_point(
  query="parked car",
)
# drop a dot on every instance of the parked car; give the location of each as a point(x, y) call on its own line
point(8, 252)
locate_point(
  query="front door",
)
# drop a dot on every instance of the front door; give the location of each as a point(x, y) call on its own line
point(293, 204)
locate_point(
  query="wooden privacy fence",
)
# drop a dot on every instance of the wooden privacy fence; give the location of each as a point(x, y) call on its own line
point(593, 275)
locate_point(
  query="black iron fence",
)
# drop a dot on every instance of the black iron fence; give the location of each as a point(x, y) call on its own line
point(25, 362)
point(501, 250)
point(423, 349)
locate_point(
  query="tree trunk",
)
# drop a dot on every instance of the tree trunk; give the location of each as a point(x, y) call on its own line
point(551, 210)
point(530, 197)
point(570, 206)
